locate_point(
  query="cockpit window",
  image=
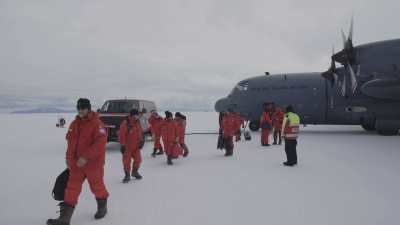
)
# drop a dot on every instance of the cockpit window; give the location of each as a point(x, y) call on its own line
point(242, 86)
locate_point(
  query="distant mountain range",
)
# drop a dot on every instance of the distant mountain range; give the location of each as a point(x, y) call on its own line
point(58, 110)
point(43, 110)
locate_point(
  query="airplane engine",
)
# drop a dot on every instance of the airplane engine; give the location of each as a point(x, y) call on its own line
point(382, 88)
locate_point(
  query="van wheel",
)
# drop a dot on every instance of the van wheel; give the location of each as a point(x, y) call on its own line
point(254, 126)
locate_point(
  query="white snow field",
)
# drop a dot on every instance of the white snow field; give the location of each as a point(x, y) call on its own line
point(345, 176)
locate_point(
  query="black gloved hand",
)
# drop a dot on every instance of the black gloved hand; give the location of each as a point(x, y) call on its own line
point(122, 149)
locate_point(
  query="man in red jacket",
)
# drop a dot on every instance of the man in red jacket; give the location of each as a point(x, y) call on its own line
point(180, 121)
point(169, 133)
point(156, 122)
point(277, 120)
point(130, 136)
point(87, 139)
point(266, 126)
point(230, 124)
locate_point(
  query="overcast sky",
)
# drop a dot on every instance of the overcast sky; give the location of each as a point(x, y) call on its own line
point(179, 53)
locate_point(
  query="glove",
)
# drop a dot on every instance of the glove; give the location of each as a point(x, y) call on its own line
point(81, 162)
point(123, 149)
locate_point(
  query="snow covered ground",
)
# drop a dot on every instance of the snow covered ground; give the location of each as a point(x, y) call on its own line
point(345, 176)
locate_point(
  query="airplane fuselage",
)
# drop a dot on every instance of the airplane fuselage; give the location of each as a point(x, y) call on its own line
point(313, 97)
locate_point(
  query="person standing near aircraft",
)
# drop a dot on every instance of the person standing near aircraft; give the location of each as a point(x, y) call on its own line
point(169, 133)
point(85, 159)
point(180, 121)
point(277, 120)
point(266, 126)
point(229, 129)
point(240, 122)
point(290, 133)
point(156, 122)
point(130, 136)
point(220, 141)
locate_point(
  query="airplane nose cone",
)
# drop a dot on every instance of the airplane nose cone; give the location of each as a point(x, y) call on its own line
point(222, 104)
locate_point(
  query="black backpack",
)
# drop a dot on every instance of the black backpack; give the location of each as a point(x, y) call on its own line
point(60, 185)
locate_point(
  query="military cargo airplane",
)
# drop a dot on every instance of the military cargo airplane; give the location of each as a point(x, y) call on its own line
point(364, 91)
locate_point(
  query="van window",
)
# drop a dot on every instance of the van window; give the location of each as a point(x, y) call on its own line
point(149, 106)
point(119, 106)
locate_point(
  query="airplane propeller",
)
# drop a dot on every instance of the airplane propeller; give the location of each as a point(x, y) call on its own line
point(346, 57)
point(331, 73)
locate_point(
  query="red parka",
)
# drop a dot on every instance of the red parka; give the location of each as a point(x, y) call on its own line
point(169, 131)
point(181, 127)
point(87, 138)
point(230, 124)
point(266, 118)
point(156, 124)
point(130, 137)
point(277, 119)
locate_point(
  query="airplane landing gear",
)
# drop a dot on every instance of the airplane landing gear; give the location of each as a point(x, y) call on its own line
point(388, 132)
point(368, 127)
point(387, 126)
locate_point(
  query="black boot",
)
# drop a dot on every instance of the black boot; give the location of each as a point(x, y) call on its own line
point(169, 161)
point(154, 153)
point(289, 164)
point(160, 152)
point(229, 153)
point(136, 174)
point(127, 177)
point(101, 208)
point(66, 212)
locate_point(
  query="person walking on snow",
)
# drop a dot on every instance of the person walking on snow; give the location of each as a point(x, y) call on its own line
point(156, 122)
point(180, 121)
point(229, 129)
point(130, 136)
point(169, 133)
point(85, 158)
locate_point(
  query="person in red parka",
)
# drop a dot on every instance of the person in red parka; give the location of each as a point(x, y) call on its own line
point(277, 120)
point(240, 123)
point(230, 124)
point(130, 136)
point(85, 159)
point(156, 122)
point(169, 134)
point(266, 126)
point(180, 121)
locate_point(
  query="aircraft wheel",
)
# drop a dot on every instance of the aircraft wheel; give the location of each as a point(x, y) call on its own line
point(388, 132)
point(254, 126)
